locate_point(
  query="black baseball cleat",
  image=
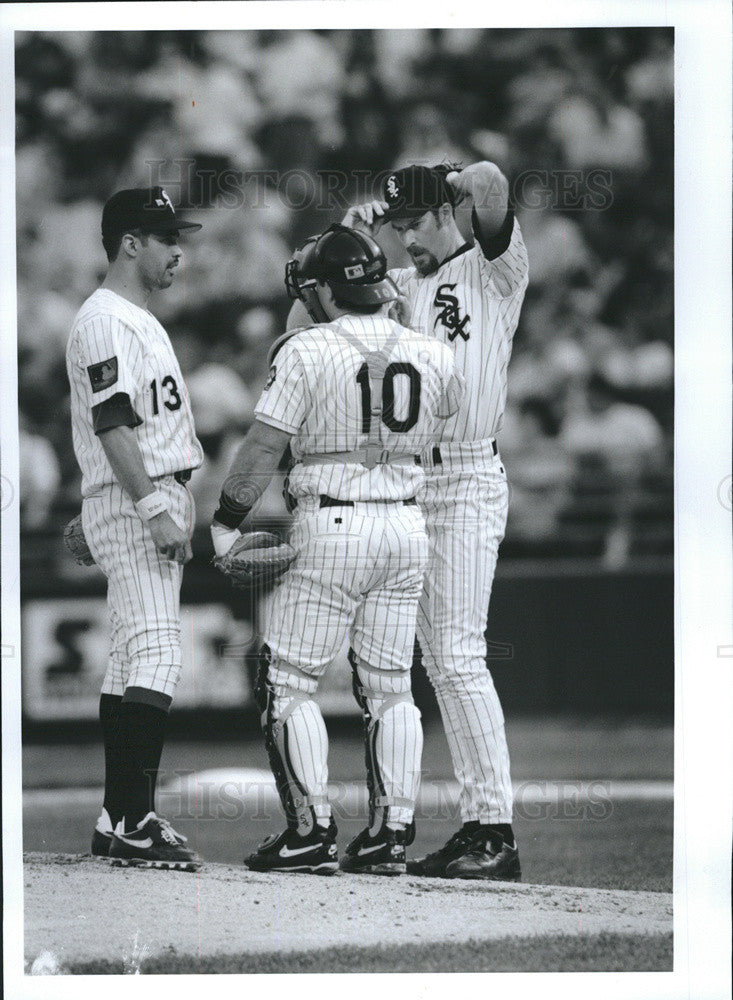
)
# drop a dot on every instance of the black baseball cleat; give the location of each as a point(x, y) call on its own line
point(382, 854)
point(434, 865)
point(490, 858)
point(102, 836)
point(315, 853)
point(152, 844)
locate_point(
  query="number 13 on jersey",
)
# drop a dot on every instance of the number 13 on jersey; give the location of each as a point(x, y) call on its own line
point(168, 394)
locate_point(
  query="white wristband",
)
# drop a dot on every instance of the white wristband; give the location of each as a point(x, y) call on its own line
point(152, 504)
point(223, 538)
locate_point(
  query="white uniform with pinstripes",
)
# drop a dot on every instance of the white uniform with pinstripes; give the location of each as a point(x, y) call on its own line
point(143, 586)
point(359, 569)
point(472, 304)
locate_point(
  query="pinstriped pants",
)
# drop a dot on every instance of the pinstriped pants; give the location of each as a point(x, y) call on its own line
point(465, 512)
point(358, 570)
point(143, 588)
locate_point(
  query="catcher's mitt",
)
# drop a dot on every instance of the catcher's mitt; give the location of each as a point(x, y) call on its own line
point(76, 542)
point(257, 557)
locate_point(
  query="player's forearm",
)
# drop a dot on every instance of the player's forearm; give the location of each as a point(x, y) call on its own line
point(250, 473)
point(121, 448)
point(487, 186)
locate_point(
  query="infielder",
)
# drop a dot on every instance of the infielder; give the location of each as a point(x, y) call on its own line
point(357, 396)
point(134, 440)
point(468, 296)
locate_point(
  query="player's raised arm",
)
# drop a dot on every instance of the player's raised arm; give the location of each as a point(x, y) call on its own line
point(496, 230)
point(488, 189)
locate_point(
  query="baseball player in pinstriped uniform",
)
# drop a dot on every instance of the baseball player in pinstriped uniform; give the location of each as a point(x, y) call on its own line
point(468, 296)
point(135, 444)
point(357, 397)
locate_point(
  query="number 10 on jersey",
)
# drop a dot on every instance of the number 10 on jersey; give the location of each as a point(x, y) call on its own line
point(392, 370)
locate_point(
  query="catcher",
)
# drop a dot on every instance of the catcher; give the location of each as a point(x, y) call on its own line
point(356, 396)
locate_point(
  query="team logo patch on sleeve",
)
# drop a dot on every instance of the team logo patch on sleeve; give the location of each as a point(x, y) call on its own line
point(103, 374)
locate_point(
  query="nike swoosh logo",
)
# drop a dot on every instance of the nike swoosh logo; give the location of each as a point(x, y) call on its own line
point(137, 843)
point(370, 850)
point(287, 852)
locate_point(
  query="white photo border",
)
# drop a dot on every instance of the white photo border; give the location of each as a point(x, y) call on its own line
point(703, 591)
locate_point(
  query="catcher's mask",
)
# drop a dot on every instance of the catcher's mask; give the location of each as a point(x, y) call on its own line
point(351, 263)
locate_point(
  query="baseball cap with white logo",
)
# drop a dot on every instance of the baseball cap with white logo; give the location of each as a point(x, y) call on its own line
point(147, 209)
point(414, 190)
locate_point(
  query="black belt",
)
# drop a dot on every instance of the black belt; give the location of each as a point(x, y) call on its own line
point(437, 460)
point(183, 476)
point(331, 502)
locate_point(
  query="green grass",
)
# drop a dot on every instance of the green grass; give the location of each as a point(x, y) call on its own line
point(540, 748)
point(595, 953)
point(631, 848)
point(628, 847)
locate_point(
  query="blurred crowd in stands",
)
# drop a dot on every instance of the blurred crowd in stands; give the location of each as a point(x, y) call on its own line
point(271, 135)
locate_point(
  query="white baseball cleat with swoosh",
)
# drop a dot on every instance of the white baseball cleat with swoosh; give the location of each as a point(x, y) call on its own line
point(314, 853)
point(153, 843)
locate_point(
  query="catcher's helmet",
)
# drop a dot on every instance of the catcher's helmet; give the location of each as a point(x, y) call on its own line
point(351, 263)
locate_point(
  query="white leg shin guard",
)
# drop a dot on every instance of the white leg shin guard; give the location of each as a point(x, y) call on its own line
point(297, 745)
point(393, 739)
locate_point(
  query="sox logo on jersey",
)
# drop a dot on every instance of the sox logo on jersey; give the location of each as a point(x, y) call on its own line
point(450, 315)
point(465, 503)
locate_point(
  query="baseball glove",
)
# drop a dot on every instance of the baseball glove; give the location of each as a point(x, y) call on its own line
point(76, 543)
point(257, 557)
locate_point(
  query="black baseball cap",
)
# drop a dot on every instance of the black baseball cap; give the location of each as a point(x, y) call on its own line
point(148, 209)
point(414, 190)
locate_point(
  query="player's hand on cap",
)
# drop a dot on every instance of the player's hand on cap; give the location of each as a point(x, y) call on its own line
point(460, 183)
point(369, 217)
point(170, 540)
point(400, 310)
point(483, 182)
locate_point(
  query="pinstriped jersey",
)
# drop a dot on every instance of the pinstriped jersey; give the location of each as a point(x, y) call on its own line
point(115, 348)
point(319, 391)
point(473, 305)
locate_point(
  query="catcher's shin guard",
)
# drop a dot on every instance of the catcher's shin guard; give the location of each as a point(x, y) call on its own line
point(392, 741)
point(296, 744)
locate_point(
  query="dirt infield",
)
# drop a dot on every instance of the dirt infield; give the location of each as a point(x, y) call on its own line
point(223, 910)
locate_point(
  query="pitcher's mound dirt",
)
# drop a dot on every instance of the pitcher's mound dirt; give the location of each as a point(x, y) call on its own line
point(79, 909)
